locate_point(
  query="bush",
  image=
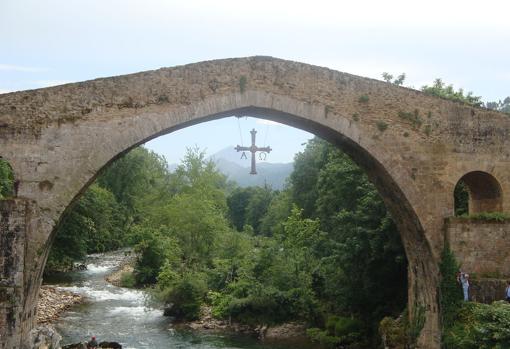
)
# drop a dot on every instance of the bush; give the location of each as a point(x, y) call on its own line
point(487, 216)
point(480, 326)
point(186, 296)
point(394, 332)
point(127, 279)
point(340, 331)
point(450, 291)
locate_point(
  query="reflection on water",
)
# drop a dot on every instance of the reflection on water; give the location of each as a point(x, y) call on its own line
point(124, 315)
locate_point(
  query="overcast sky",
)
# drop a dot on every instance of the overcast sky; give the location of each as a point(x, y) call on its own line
point(43, 43)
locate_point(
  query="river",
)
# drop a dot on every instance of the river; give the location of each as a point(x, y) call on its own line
point(125, 315)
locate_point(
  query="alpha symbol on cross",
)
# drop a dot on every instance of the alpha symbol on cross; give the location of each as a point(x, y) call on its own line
point(253, 149)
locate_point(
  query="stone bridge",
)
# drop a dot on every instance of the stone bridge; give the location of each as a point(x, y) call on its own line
point(414, 147)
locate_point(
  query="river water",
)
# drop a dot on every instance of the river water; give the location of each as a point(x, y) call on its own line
point(127, 316)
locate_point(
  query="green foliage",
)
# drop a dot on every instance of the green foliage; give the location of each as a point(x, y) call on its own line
point(363, 99)
point(381, 125)
point(502, 106)
point(487, 216)
point(416, 323)
point(153, 247)
point(399, 80)
point(461, 199)
point(340, 332)
point(450, 296)
point(242, 83)
point(127, 279)
point(94, 224)
point(185, 293)
point(395, 332)
point(6, 180)
point(481, 326)
point(414, 118)
point(440, 89)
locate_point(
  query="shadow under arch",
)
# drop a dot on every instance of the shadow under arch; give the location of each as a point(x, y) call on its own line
point(422, 269)
point(476, 192)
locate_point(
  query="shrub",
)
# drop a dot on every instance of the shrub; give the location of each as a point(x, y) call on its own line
point(186, 296)
point(450, 292)
point(394, 332)
point(487, 216)
point(127, 279)
point(480, 326)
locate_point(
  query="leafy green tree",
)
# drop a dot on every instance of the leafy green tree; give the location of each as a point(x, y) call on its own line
point(257, 208)
point(277, 212)
point(503, 106)
point(303, 179)
point(93, 224)
point(137, 179)
point(237, 203)
point(440, 89)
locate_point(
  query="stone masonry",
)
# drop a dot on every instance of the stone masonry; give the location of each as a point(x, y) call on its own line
point(414, 148)
point(481, 247)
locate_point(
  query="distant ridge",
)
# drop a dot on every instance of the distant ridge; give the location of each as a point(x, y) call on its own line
point(229, 162)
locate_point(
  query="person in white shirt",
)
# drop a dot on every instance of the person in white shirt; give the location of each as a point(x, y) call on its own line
point(464, 281)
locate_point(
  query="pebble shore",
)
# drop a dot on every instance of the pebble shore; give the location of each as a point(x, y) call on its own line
point(53, 301)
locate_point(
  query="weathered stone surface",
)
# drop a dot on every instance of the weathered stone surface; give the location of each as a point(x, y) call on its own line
point(484, 290)
point(57, 140)
point(481, 247)
point(43, 337)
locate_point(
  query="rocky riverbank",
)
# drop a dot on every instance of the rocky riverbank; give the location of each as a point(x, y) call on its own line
point(206, 322)
point(53, 301)
point(125, 267)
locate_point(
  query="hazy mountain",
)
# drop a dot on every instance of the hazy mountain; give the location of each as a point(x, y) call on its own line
point(229, 163)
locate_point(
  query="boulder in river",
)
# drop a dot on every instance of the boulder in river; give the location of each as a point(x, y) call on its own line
point(110, 345)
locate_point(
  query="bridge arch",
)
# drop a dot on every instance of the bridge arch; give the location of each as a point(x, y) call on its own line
point(58, 139)
point(483, 190)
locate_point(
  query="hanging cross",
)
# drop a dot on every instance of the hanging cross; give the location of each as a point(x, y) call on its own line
point(253, 149)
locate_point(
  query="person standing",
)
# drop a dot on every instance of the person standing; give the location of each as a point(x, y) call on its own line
point(464, 281)
point(507, 292)
point(92, 344)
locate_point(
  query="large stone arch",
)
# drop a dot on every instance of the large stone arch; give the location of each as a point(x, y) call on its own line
point(58, 139)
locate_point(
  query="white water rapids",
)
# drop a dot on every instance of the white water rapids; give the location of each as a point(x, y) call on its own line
point(125, 315)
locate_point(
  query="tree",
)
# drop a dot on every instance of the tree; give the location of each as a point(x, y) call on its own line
point(440, 89)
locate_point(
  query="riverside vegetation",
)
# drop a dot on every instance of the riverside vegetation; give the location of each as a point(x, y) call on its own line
point(323, 251)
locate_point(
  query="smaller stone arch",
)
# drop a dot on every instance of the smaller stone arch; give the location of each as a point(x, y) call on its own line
point(477, 192)
point(7, 180)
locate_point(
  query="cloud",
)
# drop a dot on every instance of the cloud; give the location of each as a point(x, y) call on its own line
point(19, 68)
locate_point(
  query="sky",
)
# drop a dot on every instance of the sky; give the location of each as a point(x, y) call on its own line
point(51, 42)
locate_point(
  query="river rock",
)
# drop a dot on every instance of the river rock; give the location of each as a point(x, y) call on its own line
point(53, 301)
point(291, 330)
point(43, 337)
point(110, 345)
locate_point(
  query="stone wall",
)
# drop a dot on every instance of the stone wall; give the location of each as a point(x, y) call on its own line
point(487, 290)
point(481, 247)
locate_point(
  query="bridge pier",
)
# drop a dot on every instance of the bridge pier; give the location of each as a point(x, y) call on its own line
point(21, 261)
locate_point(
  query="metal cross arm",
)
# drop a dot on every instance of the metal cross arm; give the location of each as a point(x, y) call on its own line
point(253, 149)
